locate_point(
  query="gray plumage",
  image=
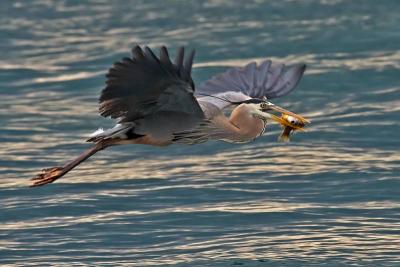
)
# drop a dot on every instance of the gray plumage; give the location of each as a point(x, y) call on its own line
point(256, 81)
point(145, 85)
point(154, 102)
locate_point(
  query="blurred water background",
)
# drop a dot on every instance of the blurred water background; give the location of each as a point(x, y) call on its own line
point(328, 198)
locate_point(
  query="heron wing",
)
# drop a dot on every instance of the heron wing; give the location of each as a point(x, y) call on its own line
point(251, 81)
point(145, 84)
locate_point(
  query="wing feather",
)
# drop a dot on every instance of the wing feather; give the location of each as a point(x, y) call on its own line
point(287, 81)
point(251, 81)
point(249, 74)
point(273, 75)
point(143, 84)
point(179, 58)
point(233, 75)
point(189, 62)
point(262, 76)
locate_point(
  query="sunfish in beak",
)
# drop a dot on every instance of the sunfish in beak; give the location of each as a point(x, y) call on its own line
point(290, 121)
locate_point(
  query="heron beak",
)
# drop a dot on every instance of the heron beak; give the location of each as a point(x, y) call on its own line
point(278, 119)
point(287, 112)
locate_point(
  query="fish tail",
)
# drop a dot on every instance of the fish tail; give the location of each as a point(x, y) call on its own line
point(285, 135)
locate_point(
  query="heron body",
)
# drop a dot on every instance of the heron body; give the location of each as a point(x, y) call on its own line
point(155, 103)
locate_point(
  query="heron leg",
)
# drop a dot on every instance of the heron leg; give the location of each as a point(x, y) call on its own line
point(49, 175)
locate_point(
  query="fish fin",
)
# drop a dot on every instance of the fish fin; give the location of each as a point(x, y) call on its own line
point(285, 135)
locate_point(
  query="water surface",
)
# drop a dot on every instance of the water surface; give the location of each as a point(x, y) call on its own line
point(329, 198)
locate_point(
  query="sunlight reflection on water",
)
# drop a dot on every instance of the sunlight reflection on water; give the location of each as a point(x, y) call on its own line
point(330, 197)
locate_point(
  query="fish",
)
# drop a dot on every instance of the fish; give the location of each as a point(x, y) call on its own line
point(290, 124)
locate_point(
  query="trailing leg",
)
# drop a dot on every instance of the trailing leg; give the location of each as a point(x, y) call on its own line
point(51, 174)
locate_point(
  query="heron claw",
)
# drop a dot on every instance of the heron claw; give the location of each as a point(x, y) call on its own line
point(47, 176)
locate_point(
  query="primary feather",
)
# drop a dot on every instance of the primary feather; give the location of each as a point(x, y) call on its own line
point(138, 86)
point(251, 81)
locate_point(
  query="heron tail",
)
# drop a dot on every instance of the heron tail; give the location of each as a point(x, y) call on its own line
point(51, 174)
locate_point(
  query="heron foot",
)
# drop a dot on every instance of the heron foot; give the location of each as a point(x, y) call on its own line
point(47, 176)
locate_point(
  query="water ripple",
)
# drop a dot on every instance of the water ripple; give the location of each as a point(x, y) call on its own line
point(328, 198)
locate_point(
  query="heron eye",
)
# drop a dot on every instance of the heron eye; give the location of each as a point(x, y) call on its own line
point(263, 105)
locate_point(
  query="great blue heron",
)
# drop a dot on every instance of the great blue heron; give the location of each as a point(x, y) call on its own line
point(155, 103)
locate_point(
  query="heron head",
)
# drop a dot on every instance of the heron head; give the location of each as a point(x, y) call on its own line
point(264, 110)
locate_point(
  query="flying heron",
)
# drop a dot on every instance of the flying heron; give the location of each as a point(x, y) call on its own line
point(154, 102)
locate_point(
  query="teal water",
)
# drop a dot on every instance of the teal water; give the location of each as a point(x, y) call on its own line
point(331, 197)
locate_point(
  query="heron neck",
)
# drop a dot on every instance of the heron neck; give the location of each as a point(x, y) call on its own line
point(247, 126)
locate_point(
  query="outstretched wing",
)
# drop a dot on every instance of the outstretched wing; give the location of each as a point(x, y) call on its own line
point(251, 81)
point(145, 84)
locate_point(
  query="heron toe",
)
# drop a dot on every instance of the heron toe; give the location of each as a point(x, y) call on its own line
point(47, 176)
